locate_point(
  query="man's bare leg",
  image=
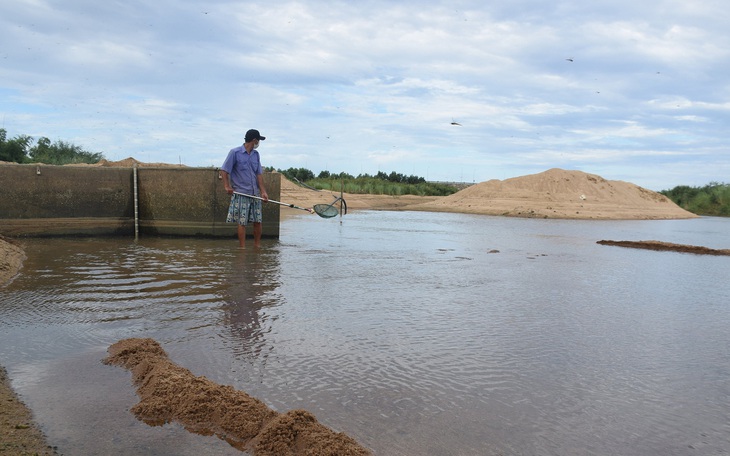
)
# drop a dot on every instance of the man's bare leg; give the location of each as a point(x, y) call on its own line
point(242, 236)
point(257, 229)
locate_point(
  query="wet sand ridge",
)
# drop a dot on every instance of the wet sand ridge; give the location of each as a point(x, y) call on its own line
point(169, 393)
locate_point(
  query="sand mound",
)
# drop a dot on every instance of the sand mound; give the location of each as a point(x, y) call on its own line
point(667, 246)
point(169, 393)
point(557, 193)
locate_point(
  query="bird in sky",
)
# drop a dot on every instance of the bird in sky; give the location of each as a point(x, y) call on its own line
point(453, 122)
point(569, 59)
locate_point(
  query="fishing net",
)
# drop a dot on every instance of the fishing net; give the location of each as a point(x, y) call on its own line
point(329, 210)
point(326, 210)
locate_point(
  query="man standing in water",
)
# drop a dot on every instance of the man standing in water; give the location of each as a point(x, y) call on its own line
point(242, 173)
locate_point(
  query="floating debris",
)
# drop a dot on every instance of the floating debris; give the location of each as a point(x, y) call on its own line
point(667, 247)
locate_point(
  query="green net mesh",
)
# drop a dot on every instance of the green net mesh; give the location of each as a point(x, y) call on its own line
point(326, 210)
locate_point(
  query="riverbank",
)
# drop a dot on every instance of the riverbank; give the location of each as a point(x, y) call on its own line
point(19, 435)
point(11, 259)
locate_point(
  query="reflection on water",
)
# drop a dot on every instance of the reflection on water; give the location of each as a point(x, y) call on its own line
point(415, 333)
point(251, 289)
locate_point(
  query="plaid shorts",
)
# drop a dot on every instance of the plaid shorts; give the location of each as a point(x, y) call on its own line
point(243, 210)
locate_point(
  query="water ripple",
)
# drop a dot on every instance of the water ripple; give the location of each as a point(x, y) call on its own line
point(406, 332)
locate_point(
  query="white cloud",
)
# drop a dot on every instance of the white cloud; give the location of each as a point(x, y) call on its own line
point(357, 86)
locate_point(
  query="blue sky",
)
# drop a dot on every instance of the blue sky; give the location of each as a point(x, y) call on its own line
point(629, 90)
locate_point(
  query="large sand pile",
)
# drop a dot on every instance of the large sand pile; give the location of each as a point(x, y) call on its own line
point(557, 193)
point(169, 393)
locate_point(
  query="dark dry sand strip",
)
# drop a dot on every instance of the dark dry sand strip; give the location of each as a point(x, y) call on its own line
point(169, 393)
point(667, 246)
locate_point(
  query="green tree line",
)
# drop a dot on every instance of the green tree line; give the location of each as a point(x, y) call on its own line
point(713, 199)
point(24, 149)
point(379, 184)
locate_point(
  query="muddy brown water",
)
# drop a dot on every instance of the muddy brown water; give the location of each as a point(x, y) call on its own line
point(414, 333)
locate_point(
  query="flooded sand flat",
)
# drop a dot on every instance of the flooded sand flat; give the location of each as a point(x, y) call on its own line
point(400, 329)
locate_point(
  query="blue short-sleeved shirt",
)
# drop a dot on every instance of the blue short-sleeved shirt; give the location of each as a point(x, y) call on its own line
point(243, 168)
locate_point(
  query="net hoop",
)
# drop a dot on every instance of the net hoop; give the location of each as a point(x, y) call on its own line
point(326, 210)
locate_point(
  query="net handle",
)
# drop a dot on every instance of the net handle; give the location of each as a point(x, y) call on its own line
point(275, 202)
